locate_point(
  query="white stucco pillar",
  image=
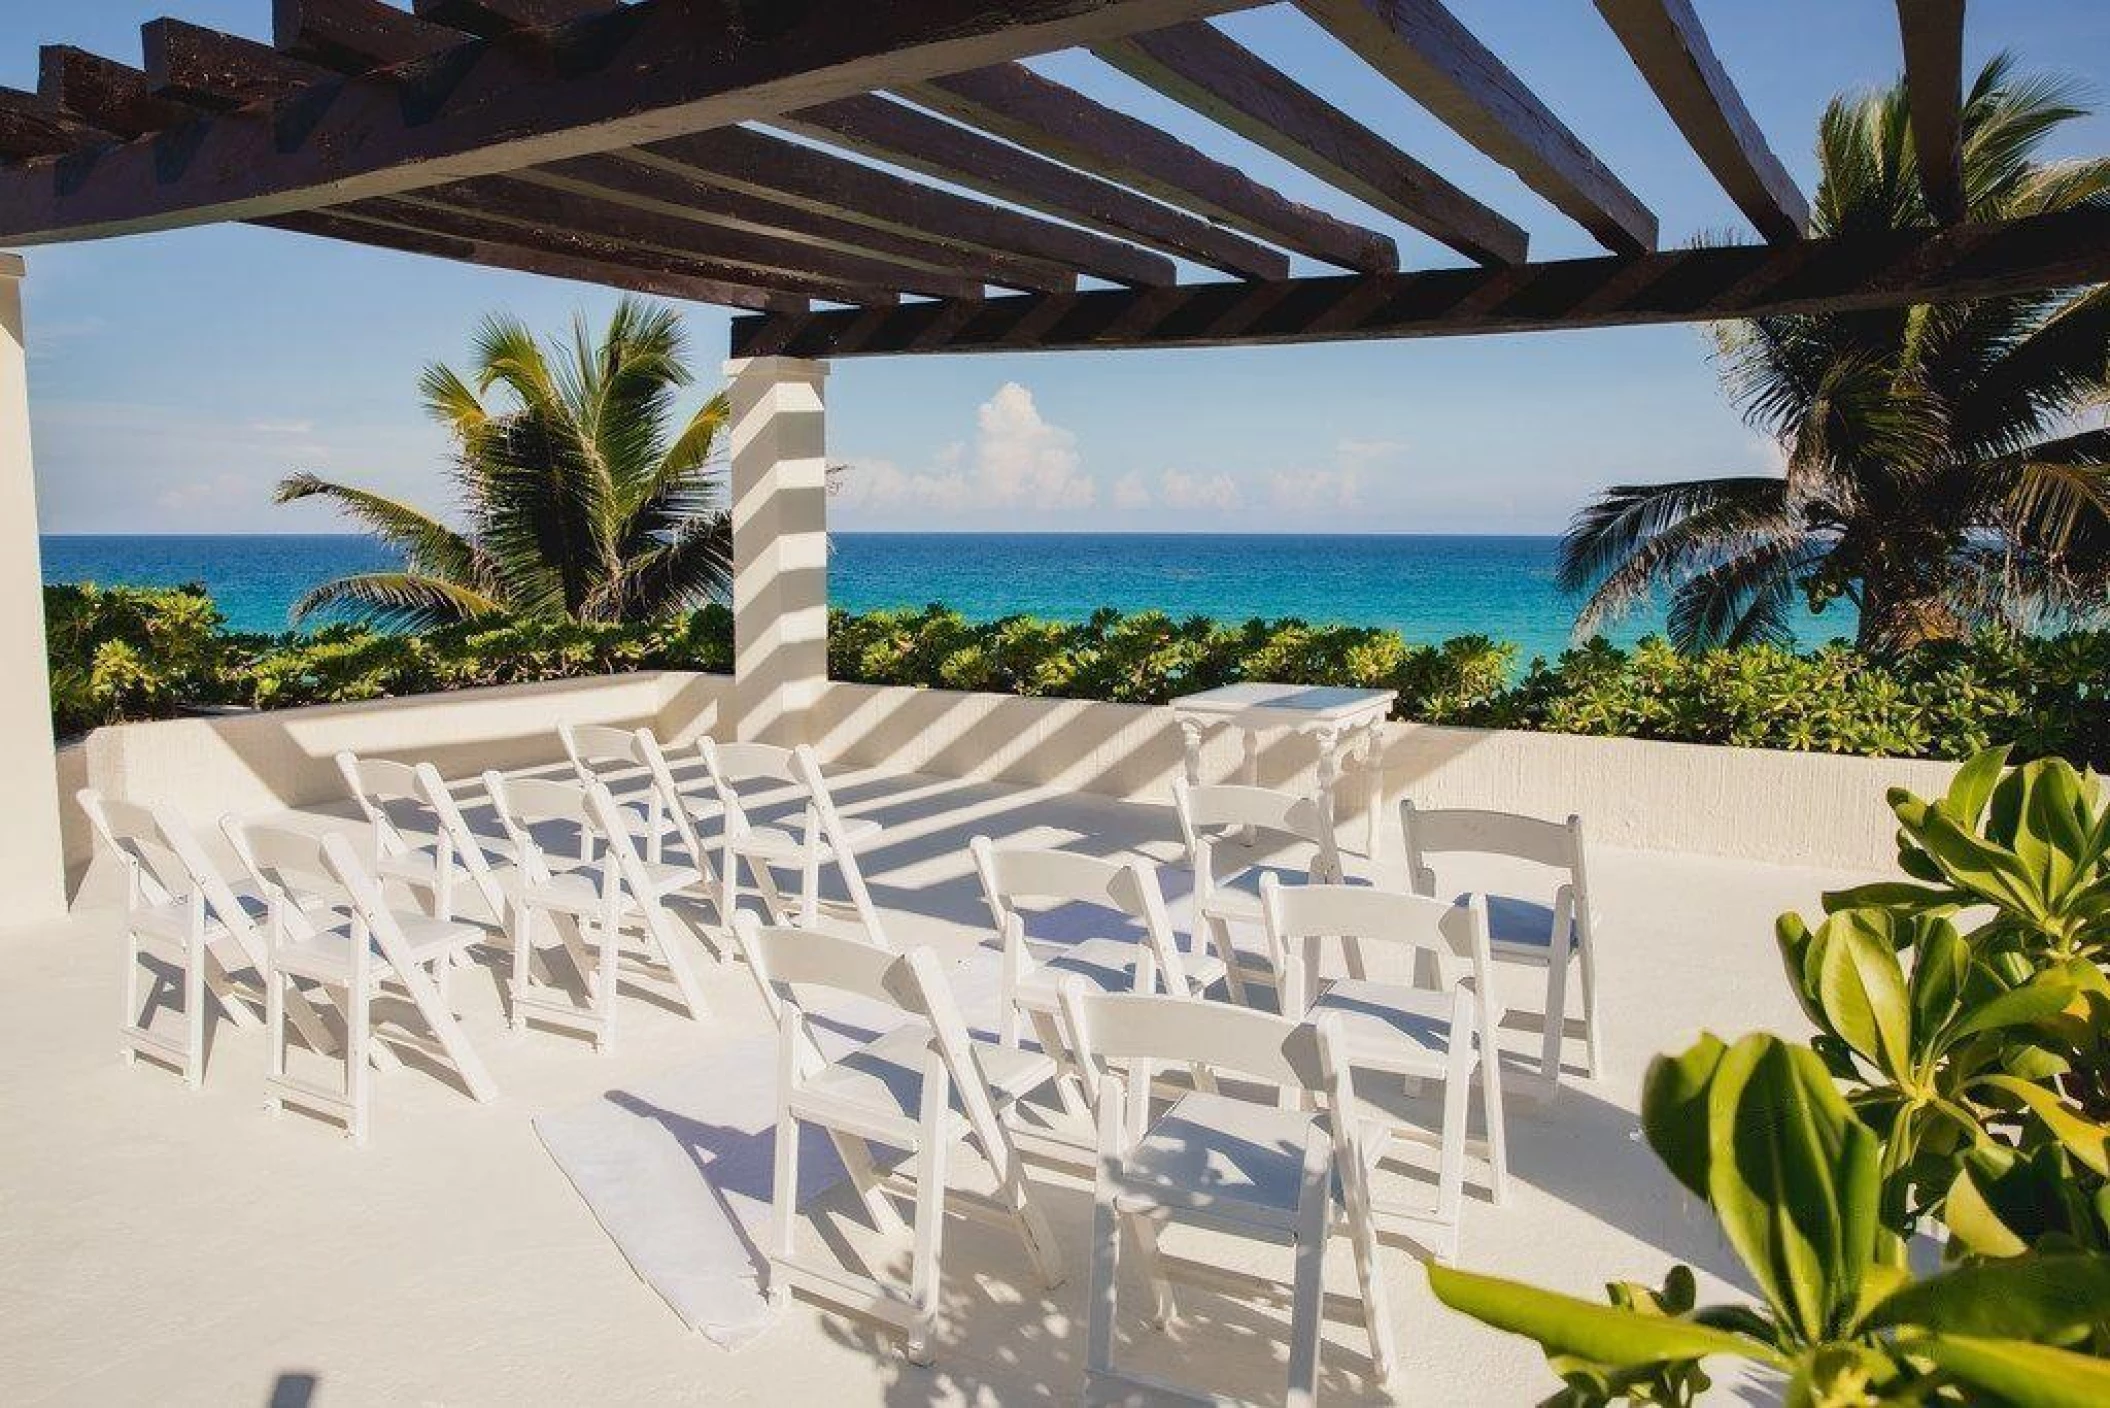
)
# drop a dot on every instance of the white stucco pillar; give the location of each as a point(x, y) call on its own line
point(32, 864)
point(779, 437)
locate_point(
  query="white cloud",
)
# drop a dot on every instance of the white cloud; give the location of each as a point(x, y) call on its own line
point(1018, 459)
point(1131, 492)
point(1215, 493)
point(282, 427)
point(217, 492)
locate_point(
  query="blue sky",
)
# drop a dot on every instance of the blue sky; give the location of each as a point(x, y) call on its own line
point(175, 377)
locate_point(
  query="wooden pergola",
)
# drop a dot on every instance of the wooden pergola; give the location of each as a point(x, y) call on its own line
point(887, 176)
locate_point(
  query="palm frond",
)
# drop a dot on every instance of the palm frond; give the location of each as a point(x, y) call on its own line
point(428, 545)
point(397, 601)
point(693, 569)
point(1744, 599)
point(1621, 521)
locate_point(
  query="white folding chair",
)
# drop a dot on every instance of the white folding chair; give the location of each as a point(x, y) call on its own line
point(1222, 826)
point(1125, 943)
point(1553, 934)
point(616, 758)
point(821, 837)
point(602, 886)
point(1437, 1023)
point(330, 924)
point(420, 835)
point(1272, 1169)
point(923, 1086)
point(170, 917)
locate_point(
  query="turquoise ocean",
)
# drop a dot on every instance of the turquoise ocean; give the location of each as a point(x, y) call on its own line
point(1426, 587)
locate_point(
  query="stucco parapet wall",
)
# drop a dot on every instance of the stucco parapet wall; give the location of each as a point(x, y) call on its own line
point(1791, 808)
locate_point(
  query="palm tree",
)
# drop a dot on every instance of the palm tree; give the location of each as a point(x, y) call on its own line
point(1943, 471)
point(581, 494)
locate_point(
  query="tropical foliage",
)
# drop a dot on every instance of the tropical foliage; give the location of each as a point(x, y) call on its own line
point(1939, 473)
point(2043, 696)
point(1958, 1075)
point(582, 493)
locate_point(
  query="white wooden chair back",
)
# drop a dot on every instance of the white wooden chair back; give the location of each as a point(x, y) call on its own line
point(1431, 832)
point(309, 878)
point(730, 764)
point(1209, 813)
point(593, 747)
point(524, 804)
point(1453, 937)
point(385, 792)
point(1138, 1031)
point(1037, 875)
point(154, 873)
point(787, 959)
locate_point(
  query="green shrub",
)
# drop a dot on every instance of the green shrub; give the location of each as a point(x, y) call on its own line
point(131, 653)
point(1957, 1075)
point(121, 654)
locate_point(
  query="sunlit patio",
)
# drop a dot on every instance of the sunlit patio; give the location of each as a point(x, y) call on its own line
point(186, 1247)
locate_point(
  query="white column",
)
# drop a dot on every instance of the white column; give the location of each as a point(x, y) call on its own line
point(32, 857)
point(780, 543)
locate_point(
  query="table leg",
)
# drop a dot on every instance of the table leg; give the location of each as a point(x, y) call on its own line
point(1374, 762)
point(1250, 773)
point(1191, 733)
point(1329, 741)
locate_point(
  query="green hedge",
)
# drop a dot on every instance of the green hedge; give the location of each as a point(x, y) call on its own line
point(128, 653)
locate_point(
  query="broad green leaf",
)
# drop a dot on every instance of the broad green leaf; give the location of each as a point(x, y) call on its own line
point(2083, 1138)
point(1975, 1222)
point(1893, 894)
point(1941, 964)
point(2023, 1297)
point(2044, 997)
point(1674, 1110)
point(1973, 784)
point(2026, 1375)
point(1602, 1334)
point(1986, 869)
point(1800, 952)
point(1862, 989)
point(1785, 1154)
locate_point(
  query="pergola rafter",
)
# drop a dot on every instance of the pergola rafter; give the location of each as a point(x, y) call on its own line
point(624, 144)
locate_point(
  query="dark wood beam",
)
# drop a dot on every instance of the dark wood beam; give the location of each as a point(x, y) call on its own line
point(646, 71)
point(1933, 35)
point(540, 206)
point(104, 93)
point(758, 163)
point(204, 67)
point(1669, 45)
point(491, 18)
point(1436, 61)
point(2061, 250)
point(418, 213)
point(881, 128)
point(352, 36)
point(30, 127)
point(655, 188)
point(1020, 106)
point(336, 225)
point(1200, 66)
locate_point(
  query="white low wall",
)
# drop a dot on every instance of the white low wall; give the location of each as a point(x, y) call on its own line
point(1792, 808)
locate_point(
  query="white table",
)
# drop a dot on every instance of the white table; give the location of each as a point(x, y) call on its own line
point(1336, 719)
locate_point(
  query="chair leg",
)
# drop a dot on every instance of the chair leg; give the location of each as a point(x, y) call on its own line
point(856, 1160)
point(1457, 1119)
point(601, 998)
point(129, 1019)
point(783, 1208)
point(274, 1035)
point(1162, 1309)
point(1369, 1273)
point(1556, 1023)
point(924, 1280)
point(1106, 1267)
point(1593, 1048)
point(358, 1080)
point(523, 927)
point(810, 888)
point(1308, 1300)
point(1069, 1085)
point(194, 1017)
point(1234, 978)
point(1033, 1229)
point(1497, 1129)
point(665, 935)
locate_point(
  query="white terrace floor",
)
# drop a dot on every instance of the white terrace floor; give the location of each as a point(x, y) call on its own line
point(171, 1247)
